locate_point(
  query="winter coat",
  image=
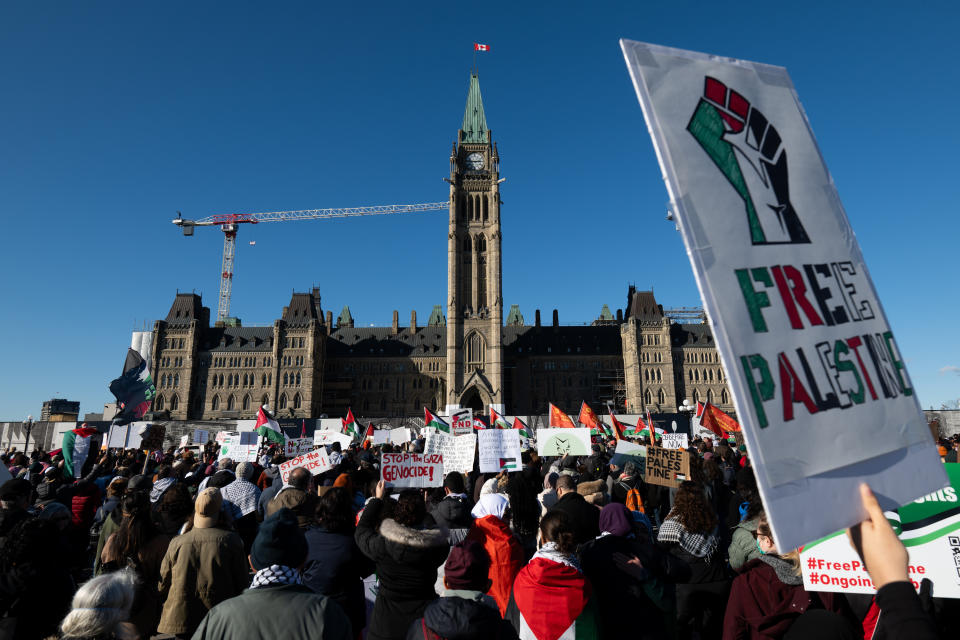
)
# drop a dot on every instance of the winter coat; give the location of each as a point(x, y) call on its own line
point(336, 568)
point(266, 496)
point(287, 611)
point(651, 600)
point(506, 556)
point(201, 569)
point(84, 504)
point(585, 517)
point(453, 512)
point(767, 597)
point(407, 561)
point(462, 615)
point(743, 544)
point(145, 614)
point(36, 599)
point(110, 526)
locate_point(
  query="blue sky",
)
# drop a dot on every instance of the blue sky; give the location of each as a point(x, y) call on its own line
point(115, 115)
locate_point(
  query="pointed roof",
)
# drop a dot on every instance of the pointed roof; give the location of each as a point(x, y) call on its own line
point(474, 120)
point(515, 318)
point(436, 317)
point(345, 319)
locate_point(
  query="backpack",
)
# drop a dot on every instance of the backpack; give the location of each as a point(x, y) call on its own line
point(634, 500)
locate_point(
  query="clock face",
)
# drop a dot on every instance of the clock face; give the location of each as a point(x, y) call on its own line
point(475, 161)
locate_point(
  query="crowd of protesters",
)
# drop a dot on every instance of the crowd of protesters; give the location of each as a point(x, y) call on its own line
point(188, 544)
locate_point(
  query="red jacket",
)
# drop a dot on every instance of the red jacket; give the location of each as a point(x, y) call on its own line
point(84, 505)
point(762, 606)
point(506, 556)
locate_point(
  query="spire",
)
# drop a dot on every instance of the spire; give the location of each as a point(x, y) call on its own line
point(474, 120)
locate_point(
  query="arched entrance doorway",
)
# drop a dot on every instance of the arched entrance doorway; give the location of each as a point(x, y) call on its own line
point(473, 400)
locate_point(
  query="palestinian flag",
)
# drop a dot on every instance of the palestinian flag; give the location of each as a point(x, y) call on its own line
point(560, 419)
point(508, 464)
point(369, 433)
point(350, 426)
point(589, 419)
point(76, 448)
point(520, 426)
point(618, 429)
point(540, 609)
point(497, 421)
point(134, 389)
point(430, 420)
point(268, 428)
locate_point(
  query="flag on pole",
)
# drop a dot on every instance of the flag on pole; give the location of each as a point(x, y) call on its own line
point(350, 426)
point(521, 426)
point(480, 47)
point(134, 389)
point(76, 448)
point(618, 430)
point(589, 419)
point(303, 428)
point(717, 421)
point(560, 419)
point(478, 424)
point(369, 433)
point(267, 427)
point(497, 421)
point(430, 420)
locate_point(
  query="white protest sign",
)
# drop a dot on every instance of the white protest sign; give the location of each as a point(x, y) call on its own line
point(457, 451)
point(117, 436)
point(630, 452)
point(201, 436)
point(556, 442)
point(294, 447)
point(818, 380)
point(221, 435)
point(928, 527)
point(184, 440)
point(232, 447)
point(461, 421)
point(499, 450)
point(329, 437)
point(400, 435)
point(675, 441)
point(412, 470)
point(381, 436)
point(315, 462)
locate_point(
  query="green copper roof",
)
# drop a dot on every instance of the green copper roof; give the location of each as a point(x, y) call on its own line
point(345, 319)
point(514, 318)
point(436, 317)
point(474, 120)
point(605, 313)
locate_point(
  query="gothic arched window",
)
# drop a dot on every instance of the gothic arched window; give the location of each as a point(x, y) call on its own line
point(174, 403)
point(158, 404)
point(297, 401)
point(475, 351)
point(215, 403)
point(230, 403)
point(246, 403)
point(283, 401)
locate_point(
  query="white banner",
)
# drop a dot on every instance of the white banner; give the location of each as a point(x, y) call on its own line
point(329, 437)
point(818, 380)
point(315, 462)
point(412, 470)
point(675, 441)
point(232, 447)
point(556, 442)
point(458, 451)
point(499, 450)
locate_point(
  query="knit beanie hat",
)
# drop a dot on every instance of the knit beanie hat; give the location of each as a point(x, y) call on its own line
point(279, 541)
point(245, 470)
point(467, 567)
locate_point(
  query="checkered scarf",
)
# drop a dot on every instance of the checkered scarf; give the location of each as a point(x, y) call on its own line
point(275, 574)
point(696, 544)
point(242, 496)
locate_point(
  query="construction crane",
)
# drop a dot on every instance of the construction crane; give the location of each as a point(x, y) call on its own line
point(229, 224)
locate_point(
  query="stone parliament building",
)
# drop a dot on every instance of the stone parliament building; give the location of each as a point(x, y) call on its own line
point(466, 355)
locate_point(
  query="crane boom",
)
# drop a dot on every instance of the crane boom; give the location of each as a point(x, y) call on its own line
point(228, 224)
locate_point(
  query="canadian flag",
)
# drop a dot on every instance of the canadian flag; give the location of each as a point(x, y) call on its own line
point(480, 47)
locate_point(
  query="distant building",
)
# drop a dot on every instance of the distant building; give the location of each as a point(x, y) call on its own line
point(306, 364)
point(59, 410)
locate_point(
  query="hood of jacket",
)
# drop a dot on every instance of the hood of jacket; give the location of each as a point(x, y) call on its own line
point(454, 513)
point(458, 618)
point(405, 536)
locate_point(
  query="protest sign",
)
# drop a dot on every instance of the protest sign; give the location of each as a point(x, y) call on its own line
point(818, 381)
point(412, 470)
point(297, 447)
point(399, 435)
point(329, 437)
point(556, 442)
point(221, 435)
point(117, 436)
point(629, 452)
point(457, 451)
point(315, 462)
point(201, 436)
point(499, 450)
point(461, 421)
point(233, 447)
point(184, 440)
point(928, 527)
point(249, 437)
point(675, 441)
point(667, 467)
point(151, 436)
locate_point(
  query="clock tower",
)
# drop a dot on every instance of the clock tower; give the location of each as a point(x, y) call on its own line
point(474, 301)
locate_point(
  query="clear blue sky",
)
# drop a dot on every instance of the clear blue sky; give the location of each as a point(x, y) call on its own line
point(114, 115)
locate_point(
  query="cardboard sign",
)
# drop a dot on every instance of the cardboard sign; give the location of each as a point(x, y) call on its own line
point(329, 437)
point(393, 436)
point(457, 451)
point(817, 377)
point(630, 452)
point(461, 421)
point(675, 441)
point(412, 470)
point(928, 527)
point(499, 450)
point(556, 442)
point(667, 467)
point(315, 462)
point(297, 447)
point(201, 436)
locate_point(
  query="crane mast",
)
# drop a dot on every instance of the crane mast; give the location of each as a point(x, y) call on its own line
point(229, 222)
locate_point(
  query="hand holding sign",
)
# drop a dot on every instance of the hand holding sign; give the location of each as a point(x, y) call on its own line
point(877, 544)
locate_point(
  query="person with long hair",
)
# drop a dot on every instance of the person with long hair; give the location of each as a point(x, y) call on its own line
point(691, 533)
point(551, 597)
point(768, 595)
point(101, 609)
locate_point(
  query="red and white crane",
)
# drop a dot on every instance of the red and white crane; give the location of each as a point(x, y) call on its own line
point(229, 222)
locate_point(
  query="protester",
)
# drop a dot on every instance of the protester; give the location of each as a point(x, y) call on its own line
point(334, 566)
point(453, 511)
point(101, 609)
point(548, 497)
point(585, 518)
point(14, 500)
point(406, 555)
point(277, 604)
point(295, 495)
point(550, 596)
point(524, 508)
point(240, 499)
point(202, 568)
point(491, 530)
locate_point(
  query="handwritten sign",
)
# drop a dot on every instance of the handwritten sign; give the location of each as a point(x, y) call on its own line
point(315, 462)
point(461, 421)
point(234, 448)
point(457, 451)
point(184, 440)
point(412, 470)
point(675, 441)
point(499, 450)
point(329, 437)
point(297, 447)
point(667, 467)
point(556, 442)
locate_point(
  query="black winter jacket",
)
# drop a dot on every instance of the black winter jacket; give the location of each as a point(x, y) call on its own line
point(584, 516)
point(454, 514)
point(336, 568)
point(455, 618)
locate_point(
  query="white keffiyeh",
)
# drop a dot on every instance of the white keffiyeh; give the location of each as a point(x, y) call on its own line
point(275, 574)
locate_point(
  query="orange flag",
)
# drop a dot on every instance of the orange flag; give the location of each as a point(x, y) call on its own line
point(718, 421)
point(560, 419)
point(617, 427)
point(589, 419)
